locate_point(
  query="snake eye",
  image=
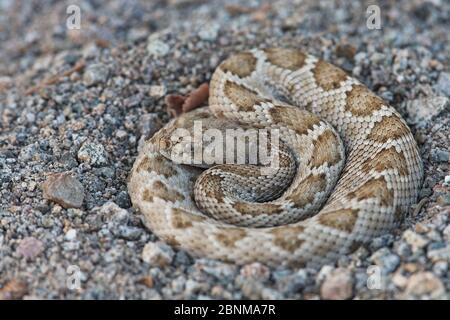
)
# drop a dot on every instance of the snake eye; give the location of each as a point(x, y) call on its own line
point(165, 143)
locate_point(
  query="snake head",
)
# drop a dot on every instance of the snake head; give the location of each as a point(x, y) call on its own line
point(185, 138)
point(182, 137)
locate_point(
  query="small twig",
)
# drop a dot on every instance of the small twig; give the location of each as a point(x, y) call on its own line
point(56, 78)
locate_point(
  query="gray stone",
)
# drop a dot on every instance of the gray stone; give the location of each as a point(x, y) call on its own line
point(386, 260)
point(64, 189)
point(440, 268)
point(128, 232)
point(219, 270)
point(439, 254)
point(92, 153)
point(440, 156)
point(209, 32)
point(123, 199)
point(421, 111)
point(28, 152)
point(443, 83)
point(157, 48)
point(95, 74)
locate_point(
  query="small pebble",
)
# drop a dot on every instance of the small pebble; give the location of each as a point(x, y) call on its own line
point(158, 91)
point(157, 48)
point(220, 270)
point(421, 111)
point(440, 268)
point(439, 254)
point(71, 235)
point(128, 232)
point(447, 181)
point(424, 285)
point(443, 83)
point(209, 32)
point(92, 153)
point(64, 189)
point(416, 241)
point(157, 254)
point(255, 270)
point(386, 260)
point(95, 74)
point(440, 156)
point(30, 248)
point(338, 285)
point(120, 134)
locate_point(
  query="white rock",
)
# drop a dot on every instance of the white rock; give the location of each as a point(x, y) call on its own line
point(92, 153)
point(71, 235)
point(447, 181)
point(157, 91)
point(415, 240)
point(120, 134)
point(323, 273)
point(159, 254)
point(157, 48)
point(209, 32)
point(421, 111)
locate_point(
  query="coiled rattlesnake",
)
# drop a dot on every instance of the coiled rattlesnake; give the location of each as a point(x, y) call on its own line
point(307, 211)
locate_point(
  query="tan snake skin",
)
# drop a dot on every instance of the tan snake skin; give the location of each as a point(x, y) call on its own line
point(322, 212)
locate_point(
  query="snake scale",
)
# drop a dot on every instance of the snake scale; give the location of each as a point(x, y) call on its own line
point(348, 166)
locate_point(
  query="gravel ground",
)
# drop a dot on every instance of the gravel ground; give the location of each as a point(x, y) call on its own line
point(74, 105)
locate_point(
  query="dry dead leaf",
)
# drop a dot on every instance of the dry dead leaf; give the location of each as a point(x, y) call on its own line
point(178, 104)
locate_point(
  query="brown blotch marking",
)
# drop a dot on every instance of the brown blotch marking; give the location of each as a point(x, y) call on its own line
point(362, 102)
point(255, 209)
point(172, 241)
point(157, 164)
point(144, 164)
point(286, 58)
point(147, 196)
point(298, 120)
point(387, 159)
point(307, 189)
point(328, 76)
point(213, 187)
point(343, 219)
point(287, 237)
point(241, 96)
point(228, 237)
point(374, 188)
point(390, 127)
point(160, 190)
point(326, 150)
point(241, 64)
point(182, 219)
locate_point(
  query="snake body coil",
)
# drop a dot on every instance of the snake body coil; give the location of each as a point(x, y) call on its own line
point(348, 171)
